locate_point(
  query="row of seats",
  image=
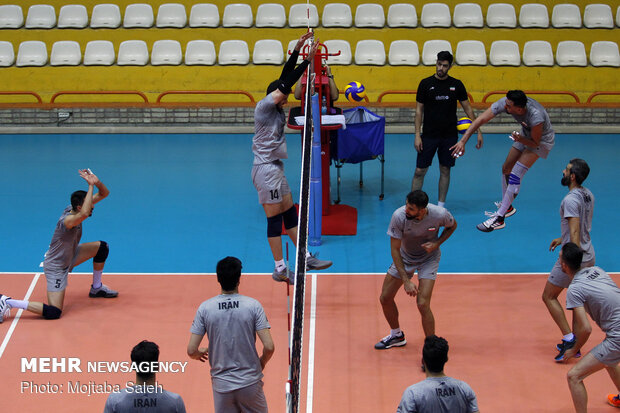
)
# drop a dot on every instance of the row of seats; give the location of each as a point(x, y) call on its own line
point(367, 52)
point(43, 16)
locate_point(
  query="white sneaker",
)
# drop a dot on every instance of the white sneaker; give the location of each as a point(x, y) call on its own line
point(511, 210)
point(5, 310)
point(491, 224)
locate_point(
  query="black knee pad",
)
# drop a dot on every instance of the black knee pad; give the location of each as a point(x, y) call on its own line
point(290, 217)
point(102, 252)
point(274, 226)
point(51, 313)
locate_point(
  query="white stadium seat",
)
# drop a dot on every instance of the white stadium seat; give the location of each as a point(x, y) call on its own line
point(7, 54)
point(270, 15)
point(337, 15)
point(370, 52)
point(566, 16)
point(468, 15)
point(534, 15)
point(537, 53)
point(237, 15)
point(66, 53)
point(99, 53)
point(402, 15)
point(470, 53)
point(234, 52)
point(369, 15)
point(430, 50)
point(166, 52)
point(138, 15)
point(204, 15)
point(404, 53)
point(604, 53)
point(268, 52)
point(171, 15)
point(41, 16)
point(501, 15)
point(598, 16)
point(504, 53)
point(342, 46)
point(298, 15)
point(73, 16)
point(200, 52)
point(31, 53)
point(571, 53)
point(618, 17)
point(133, 53)
point(435, 15)
point(11, 16)
point(105, 16)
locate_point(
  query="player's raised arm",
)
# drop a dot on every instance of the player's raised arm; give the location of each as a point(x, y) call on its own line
point(459, 148)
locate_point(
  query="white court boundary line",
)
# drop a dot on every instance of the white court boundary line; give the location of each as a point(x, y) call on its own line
point(9, 333)
point(311, 341)
point(323, 273)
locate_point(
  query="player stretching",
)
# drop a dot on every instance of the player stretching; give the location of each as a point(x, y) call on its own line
point(535, 140)
point(269, 147)
point(66, 252)
point(576, 221)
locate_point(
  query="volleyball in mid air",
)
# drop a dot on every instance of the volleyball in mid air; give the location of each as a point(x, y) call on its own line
point(462, 125)
point(355, 92)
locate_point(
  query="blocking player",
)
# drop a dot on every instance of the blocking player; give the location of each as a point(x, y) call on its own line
point(591, 292)
point(65, 252)
point(231, 322)
point(269, 147)
point(414, 245)
point(576, 221)
point(534, 141)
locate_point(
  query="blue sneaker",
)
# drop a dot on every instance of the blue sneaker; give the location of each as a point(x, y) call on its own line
point(391, 341)
point(564, 346)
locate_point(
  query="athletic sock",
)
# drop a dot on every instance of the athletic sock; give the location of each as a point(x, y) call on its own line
point(504, 184)
point(97, 278)
point(568, 337)
point(17, 304)
point(280, 265)
point(395, 332)
point(441, 204)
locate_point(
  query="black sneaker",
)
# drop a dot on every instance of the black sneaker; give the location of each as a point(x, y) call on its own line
point(391, 341)
point(491, 224)
point(563, 347)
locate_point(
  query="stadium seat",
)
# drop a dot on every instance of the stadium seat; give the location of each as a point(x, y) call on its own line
point(204, 15)
point(41, 16)
point(99, 53)
point(133, 53)
point(66, 53)
point(298, 15)
point(470, 53)
point(369, 15)
point(7, 54)
point(571, 53)
point(11, 16)
point(430, 50)
point(468, 15)
point(337, 15)
point(200, 52)
point(370, 52)
point(618, 17)
point(604, 53)
point(404, 53)
point(534, 15)
point(335, 46)
point(501, 15)
point(166, 52)
point(171, 15)
point(234, 52)
point(72, 16)
point(237, 15)
point(270, 15)
point(105, 16)
point(435, 15)
point(31, 53)
point(138, 15)
point(598, 16)
point(566, 16)
point(267, 52)
point(504, 53)
point(402, 15)
point(537, 53)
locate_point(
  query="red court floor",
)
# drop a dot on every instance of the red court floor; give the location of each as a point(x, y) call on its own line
point(501, 342)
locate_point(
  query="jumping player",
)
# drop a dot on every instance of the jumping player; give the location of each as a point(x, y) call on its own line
point(535, 141)
point(65, 252)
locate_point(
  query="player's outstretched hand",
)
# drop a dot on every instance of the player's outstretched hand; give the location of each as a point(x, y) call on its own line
point(410, 288)
point(302, 40)
point(418, 144)
point(88, 176)
point(555, 243)
point(480, 141)
point(458, 149)
point(313, 49)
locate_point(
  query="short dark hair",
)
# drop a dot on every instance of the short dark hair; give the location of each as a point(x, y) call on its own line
point(417, 198)
point(77, 199)
point(518, 98)
point(580, 168)
point(572, 255)
point(435, 353)
point(445, 55)
point(145, 352)
point(228, 273)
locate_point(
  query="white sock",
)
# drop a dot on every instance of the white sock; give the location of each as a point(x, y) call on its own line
point(280, 265)
point(395, 332)
point(504, 184)
point(441, 204)
point(97, 278)
point(568, 337)
point(17, 304)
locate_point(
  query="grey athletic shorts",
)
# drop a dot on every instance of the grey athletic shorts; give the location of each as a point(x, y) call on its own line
point(608, 352)
point(542, 150)
point(559, 278)
point(426, 269)
point(270, 182)
point(250, 399)
point(57, 278)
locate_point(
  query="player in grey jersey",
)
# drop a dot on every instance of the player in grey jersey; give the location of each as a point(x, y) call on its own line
point(231, 322)
point(534, 141)
point(66, 252)
point(414, 245)
point(438, 393)
point(591, 292)
point(576, 222)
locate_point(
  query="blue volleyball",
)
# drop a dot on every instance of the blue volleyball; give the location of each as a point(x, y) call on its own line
point(355, 92)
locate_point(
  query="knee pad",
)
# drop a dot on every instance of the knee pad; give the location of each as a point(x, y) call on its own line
point(102, 252)
point(51, 313)
point(274, 226)
point(290, 218)
point(514, 179)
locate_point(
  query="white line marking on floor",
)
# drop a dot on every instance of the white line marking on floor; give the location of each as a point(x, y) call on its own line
point(312, 332)
point(9, 333)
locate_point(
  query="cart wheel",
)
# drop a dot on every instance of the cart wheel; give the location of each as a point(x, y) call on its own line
point(337, 201)
point(381, 197)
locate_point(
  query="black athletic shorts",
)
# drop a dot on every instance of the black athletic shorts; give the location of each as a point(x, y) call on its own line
point(441, 146)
